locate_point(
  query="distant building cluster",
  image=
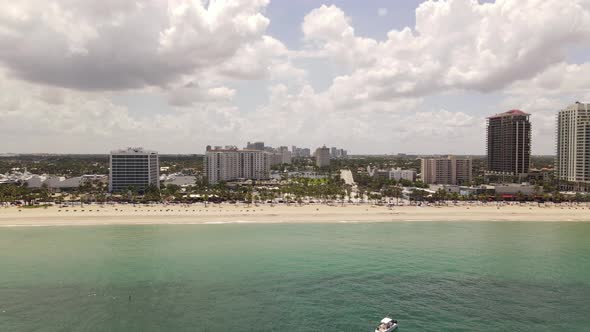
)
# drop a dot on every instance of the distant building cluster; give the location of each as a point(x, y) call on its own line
point(336, 153)
point(300, 152)
point(280, 155)
point(254, 161)
point(509, 147)
point(508, 150)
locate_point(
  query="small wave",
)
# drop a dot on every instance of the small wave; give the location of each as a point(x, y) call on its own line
point(228, 222)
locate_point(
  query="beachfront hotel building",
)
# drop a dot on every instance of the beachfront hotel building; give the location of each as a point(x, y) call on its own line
point(572, 163)
point(133, 168)
point(509, 143)
point(230, 163)
point(450, 170)
point(322, 157)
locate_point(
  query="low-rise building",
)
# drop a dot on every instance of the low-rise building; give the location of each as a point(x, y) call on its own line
point(450, 188)
point(477, 190)
point(54, 182)
point(398, 174)
point(543, 174)
point(514, 189)
point(375, 172)
point(178, 180)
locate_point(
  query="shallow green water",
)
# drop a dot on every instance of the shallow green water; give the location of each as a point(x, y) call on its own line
point(333, 277)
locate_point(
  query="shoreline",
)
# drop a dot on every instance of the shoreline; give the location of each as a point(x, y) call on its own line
point(198, 214)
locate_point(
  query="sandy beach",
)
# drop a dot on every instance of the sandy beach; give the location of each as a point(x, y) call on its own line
point(123, 214)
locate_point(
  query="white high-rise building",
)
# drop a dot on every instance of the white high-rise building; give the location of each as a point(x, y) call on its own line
point(233, 164)
point(322, 156)
point(572, 163)
point(446, 170)
point(133, 168)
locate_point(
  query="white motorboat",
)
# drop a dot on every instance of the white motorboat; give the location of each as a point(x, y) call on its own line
point(387, 325)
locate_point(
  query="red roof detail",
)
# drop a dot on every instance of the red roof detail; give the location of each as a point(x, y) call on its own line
point(509, 113)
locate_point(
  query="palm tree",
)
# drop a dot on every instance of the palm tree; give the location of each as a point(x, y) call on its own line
point(418, 195)
point(348, 191)
point(361, 193)
point(397, 192)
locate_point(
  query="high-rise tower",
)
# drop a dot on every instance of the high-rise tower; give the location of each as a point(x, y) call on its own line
point(509, 143)
point(572, 163)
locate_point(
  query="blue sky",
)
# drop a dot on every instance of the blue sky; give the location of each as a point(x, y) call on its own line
point(287, 16)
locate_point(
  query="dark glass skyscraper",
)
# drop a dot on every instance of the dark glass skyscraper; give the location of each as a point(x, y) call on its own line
point(509, 143)
point(133, 168)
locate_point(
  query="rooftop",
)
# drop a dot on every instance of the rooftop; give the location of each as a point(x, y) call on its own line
point(509, 113)
point(578, 106)
point(234, 150)
point(133, 151)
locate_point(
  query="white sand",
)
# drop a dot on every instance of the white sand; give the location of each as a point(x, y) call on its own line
point(227, 213)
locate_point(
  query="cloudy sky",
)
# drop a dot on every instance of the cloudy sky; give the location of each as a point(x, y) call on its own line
point(372, 76)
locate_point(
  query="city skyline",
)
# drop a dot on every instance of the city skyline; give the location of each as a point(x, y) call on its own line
point(377, 77)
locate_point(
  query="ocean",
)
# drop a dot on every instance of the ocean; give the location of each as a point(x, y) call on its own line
point(430, 276)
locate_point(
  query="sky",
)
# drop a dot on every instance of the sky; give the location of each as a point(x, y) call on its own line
point(371, 76)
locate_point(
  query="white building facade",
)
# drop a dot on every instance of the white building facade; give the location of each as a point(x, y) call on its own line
point(402, 174)
point(233, 164)
point(133, 168)
point(572, 163)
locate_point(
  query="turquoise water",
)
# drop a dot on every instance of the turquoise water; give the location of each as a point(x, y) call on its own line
point(332, 277)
